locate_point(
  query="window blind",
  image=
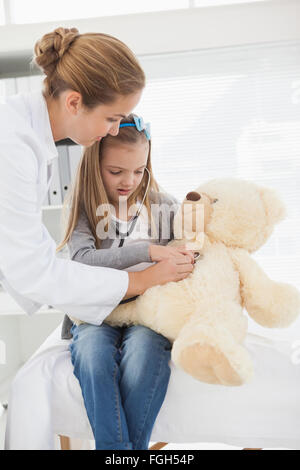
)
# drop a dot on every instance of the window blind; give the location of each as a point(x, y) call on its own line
point(232, 112)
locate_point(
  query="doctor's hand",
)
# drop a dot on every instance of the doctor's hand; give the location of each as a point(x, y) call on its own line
point(179, 253)
point(167, 270)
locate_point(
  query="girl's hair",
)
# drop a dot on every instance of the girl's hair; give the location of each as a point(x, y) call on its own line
point(98, 66)
point(88, 191)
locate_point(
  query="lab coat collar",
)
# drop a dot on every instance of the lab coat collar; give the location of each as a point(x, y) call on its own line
point(40, 122)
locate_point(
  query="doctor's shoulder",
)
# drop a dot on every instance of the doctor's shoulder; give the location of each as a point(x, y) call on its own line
point(16, 142)
point(15, 122)
point(13, 115)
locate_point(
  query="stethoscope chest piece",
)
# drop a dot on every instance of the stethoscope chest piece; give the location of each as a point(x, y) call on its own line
point(197, 256)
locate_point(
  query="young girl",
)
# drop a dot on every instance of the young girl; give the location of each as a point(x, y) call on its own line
point(123, 371)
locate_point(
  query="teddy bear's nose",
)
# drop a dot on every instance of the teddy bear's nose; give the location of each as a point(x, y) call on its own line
point(193, 196)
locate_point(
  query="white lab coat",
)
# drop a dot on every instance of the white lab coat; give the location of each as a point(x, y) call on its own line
point(29, 268)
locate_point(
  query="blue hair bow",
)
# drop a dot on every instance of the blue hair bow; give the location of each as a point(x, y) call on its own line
point(140, 125)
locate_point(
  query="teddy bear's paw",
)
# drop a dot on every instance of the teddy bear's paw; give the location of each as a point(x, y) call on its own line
point(215, 362)
point(281, 308)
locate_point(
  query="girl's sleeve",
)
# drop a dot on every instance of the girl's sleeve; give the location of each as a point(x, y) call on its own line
point(82, 249)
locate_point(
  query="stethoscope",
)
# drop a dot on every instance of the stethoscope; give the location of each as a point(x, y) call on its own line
point(123, 235)
point(133, 221)
point(197, 255)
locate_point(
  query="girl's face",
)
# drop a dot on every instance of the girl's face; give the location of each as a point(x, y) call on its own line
point(86, 126)
point(122, 169)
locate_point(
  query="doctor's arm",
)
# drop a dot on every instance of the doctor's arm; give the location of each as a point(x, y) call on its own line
point(28, 258)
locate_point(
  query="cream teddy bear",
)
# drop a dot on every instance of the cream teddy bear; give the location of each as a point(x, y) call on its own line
point(203, 314)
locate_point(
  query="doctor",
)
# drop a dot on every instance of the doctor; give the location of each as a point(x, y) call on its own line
point(92, 81)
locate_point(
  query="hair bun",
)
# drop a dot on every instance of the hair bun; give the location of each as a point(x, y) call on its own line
point(52, 46)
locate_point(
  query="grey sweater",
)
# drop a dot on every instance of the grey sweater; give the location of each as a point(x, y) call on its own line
point(82, 246)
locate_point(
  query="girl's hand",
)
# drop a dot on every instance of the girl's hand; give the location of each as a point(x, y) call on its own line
point(178, 253)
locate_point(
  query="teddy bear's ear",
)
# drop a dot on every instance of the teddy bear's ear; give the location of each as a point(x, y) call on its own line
point(274, 207)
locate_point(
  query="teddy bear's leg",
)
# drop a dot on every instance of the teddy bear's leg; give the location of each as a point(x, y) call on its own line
point(209, 353)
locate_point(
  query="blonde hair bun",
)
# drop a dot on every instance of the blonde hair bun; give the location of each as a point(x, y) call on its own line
point(98, 66)
point(52, 46)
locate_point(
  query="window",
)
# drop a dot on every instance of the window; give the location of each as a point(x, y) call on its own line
point(31, 11)
point(231, 112)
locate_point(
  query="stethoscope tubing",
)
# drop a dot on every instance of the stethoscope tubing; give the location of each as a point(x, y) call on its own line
point(134, 219)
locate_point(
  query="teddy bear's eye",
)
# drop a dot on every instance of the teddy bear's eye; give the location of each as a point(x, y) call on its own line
point(215, 200)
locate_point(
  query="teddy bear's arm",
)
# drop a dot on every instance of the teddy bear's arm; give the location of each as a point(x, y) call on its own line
point(269, 303)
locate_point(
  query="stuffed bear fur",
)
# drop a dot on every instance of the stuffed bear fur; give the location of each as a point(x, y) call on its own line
point(202, 315)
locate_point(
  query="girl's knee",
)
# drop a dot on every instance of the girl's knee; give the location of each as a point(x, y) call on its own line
point(94, 361)
point(143, 348)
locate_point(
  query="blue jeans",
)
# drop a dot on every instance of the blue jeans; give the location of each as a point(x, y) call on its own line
point(124, 375)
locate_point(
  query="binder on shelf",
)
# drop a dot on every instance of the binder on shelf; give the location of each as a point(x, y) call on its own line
point(51, 217)
point(75, 152)
point(46, 201)
point(55, 197)
point(64, 169)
